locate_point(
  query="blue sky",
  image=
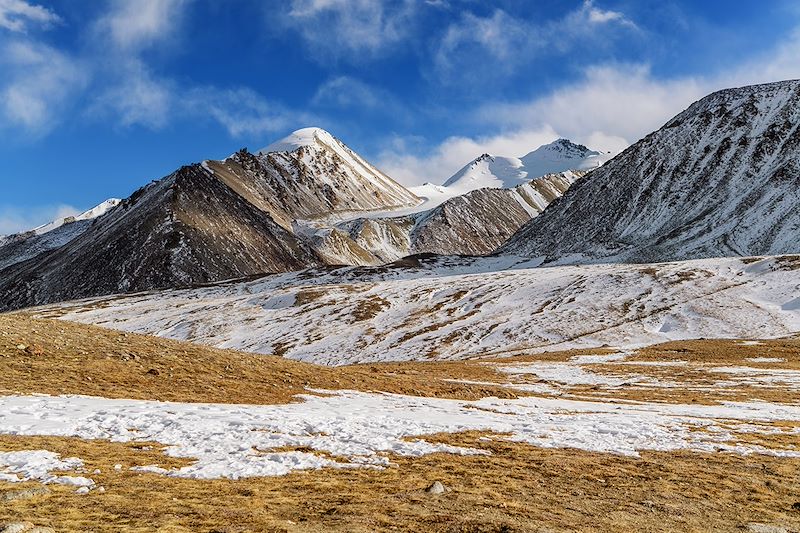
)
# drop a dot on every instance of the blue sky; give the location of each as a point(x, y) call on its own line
point(100, 97)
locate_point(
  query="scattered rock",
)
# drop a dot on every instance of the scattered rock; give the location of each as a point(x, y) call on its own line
point(34, 349)
point(796, 506)
point(154, 372)
point(755, 527)
point(436, 488)
point(13, 495)
point(22, 347)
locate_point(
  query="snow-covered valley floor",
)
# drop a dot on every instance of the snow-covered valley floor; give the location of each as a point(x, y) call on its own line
point(457, 310)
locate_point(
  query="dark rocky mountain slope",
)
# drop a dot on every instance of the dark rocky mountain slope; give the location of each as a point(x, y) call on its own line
point(722, 178)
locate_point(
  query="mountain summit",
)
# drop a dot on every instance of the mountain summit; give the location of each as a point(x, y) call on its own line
point(506, 172)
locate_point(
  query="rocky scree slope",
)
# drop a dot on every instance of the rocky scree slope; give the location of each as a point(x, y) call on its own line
point(720, 179)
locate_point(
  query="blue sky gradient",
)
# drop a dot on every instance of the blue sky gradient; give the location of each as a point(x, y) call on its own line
point(98, 98)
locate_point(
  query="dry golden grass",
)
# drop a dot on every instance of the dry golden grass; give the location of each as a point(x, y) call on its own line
point(68, 358)
point(725, 351)
point(518, 488)
point(696, 381)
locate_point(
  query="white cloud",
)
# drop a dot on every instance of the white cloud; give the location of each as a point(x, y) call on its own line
point(344, 91)
point(137, 97)
point(17, 219)
point(610, 107)
point(360, 99)
point(240, 111)
point(350, 29)
point(595, 15)
point(626, 102)
point(609, 101)
point(38, 84)
point(135, 24)
point(475, 47)
point(18, 15)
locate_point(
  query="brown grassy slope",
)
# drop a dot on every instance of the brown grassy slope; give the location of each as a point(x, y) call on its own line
point(518, 488)
point(57, 357)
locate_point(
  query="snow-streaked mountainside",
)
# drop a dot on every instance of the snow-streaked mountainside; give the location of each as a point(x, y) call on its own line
point(96, 211)
point(347, 181)
point(454, 309)
point(27, 244)
point(719, 179)
point(474, 223)
point(508, 172)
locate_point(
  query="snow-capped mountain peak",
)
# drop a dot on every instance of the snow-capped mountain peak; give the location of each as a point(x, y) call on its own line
point(311, 158)
point(303, 137)
point(491, 171)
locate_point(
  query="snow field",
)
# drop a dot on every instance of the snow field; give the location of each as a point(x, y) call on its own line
point(357, 429)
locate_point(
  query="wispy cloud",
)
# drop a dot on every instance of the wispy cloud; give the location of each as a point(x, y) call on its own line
point(595, 15)
point(350, 29)
point(360, 99)
point(136, 97)
point(137, 24)
point(37, 86)
point(500, 42)
point(240, 111)
point(19, 15)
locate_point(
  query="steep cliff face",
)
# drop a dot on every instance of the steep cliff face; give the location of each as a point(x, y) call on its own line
point(719, 179)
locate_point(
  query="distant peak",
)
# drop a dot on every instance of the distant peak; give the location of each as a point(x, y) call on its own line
point(302, 137)
point(564, 148)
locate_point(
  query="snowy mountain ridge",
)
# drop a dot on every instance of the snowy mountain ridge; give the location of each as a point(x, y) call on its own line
point(507, 172)
point(28, 244)
point(317, 152)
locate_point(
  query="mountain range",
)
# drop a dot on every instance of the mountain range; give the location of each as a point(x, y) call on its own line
point(307, 200)
point(718, 179)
